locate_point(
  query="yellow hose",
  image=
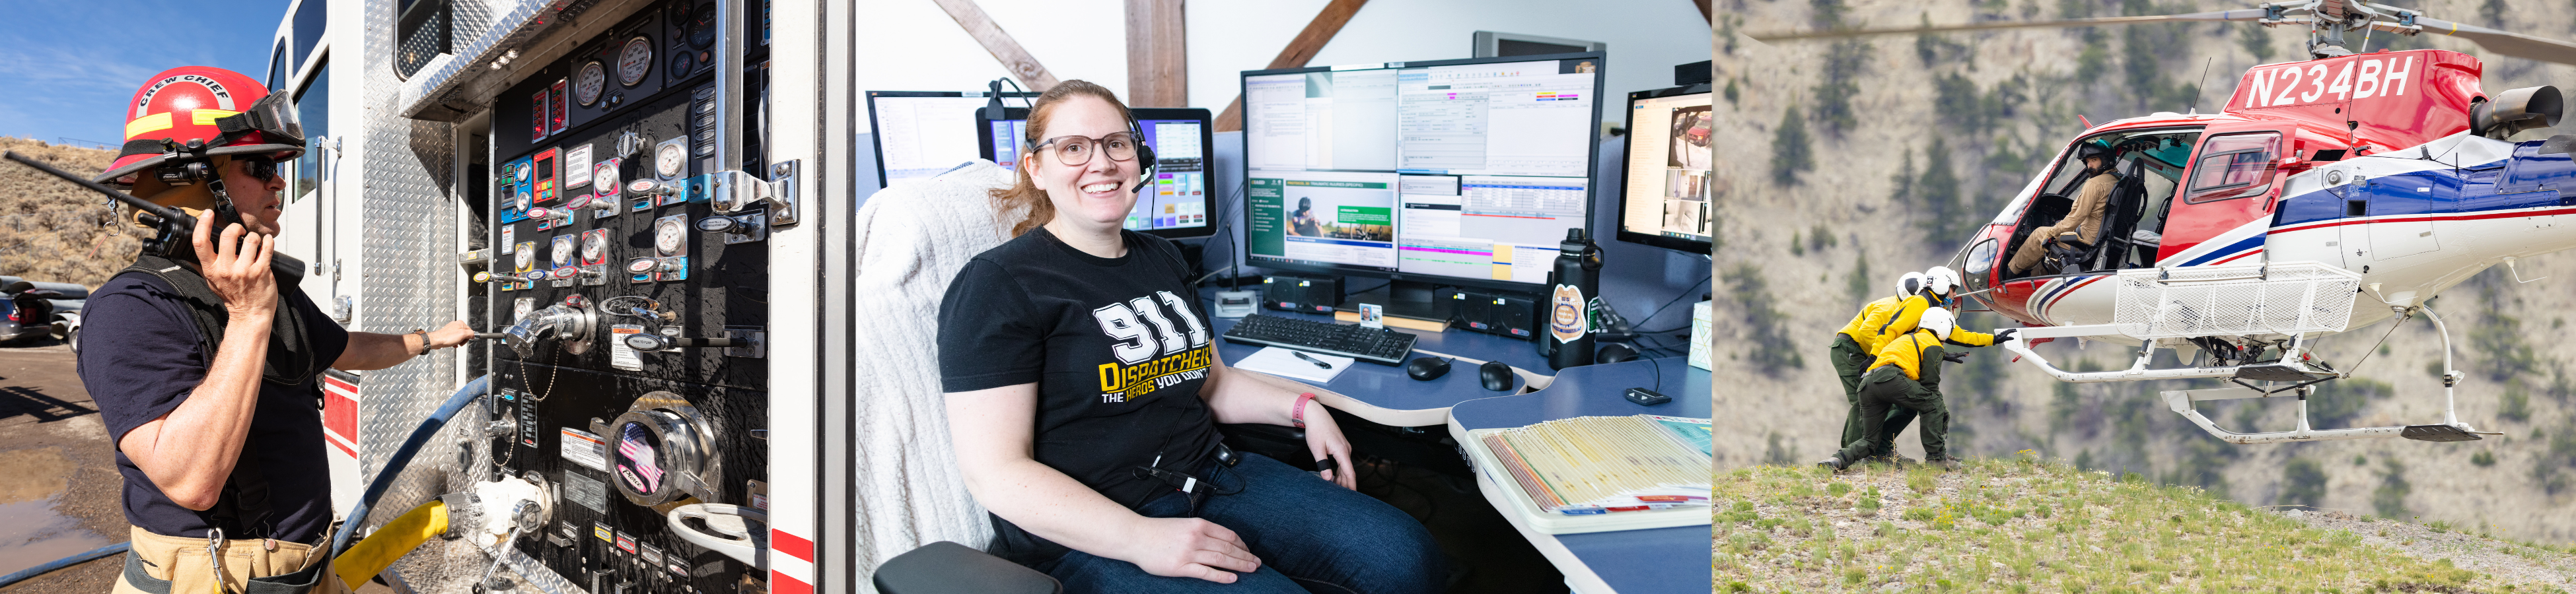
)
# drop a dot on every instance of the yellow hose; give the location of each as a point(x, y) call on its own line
point(378, 551)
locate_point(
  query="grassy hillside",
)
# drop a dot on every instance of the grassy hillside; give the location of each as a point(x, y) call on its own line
point(51, 230)
point(2025, 525)
point(1849, 162)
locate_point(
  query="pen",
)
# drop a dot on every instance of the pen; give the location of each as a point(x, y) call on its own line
point(1317, 362)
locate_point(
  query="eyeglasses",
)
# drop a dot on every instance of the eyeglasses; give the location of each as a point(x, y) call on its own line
point(1076, 151)
point(259, 167)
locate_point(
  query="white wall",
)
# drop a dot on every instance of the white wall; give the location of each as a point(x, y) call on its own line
point(911, 45)
point(1647, 37)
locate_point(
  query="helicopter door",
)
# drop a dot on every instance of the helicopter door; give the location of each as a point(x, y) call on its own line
point(2231, 176)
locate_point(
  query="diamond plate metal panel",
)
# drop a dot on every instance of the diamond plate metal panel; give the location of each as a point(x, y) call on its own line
point(481, 25)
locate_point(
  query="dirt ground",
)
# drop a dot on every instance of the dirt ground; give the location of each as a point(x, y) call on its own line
point(62, 492)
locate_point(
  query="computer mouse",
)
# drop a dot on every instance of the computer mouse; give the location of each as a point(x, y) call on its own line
point(1495, 375)
point(1614, 353)
point(1427, 368)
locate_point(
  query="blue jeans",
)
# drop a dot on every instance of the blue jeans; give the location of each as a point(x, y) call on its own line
point(1311, 536)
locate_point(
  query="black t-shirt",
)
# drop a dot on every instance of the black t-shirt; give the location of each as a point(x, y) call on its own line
point(1117, 346)
point(139, 360)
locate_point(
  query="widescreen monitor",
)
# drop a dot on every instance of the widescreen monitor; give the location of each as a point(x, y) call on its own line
point(923, 133)
point(1665, 200)
point(1176, 203)
point(1451, 172)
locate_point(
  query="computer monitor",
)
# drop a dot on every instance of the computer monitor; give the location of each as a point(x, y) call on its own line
point(923, 133)
point(1665, 201)
point(1451, 172)
point(1176, 203)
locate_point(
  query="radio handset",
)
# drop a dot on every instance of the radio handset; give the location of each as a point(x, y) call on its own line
point(174, 236)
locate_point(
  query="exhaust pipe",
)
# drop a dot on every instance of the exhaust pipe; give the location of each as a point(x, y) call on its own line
point(2515, 111)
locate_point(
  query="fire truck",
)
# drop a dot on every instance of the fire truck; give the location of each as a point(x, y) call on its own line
point(602, 179)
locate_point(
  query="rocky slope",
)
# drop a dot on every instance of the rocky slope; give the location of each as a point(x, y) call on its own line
point(52, 230)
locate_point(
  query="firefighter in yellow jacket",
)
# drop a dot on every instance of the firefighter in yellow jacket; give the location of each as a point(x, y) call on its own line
point(1907, 375)
point(1855, 347)
point(1936, 287)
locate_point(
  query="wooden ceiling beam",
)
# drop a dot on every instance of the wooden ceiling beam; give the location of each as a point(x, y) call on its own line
point(1303, 48)
point(988, 34)
point(1158, 66)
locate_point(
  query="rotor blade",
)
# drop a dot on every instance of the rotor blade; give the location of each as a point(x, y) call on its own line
point(2246, 14)
point(2504, 42)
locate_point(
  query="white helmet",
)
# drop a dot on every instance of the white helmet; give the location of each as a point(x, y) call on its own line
point(1938, 320)
point(1942, 280)
point(1908, 285)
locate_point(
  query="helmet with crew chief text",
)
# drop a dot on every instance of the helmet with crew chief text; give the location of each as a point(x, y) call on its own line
point(184, 117)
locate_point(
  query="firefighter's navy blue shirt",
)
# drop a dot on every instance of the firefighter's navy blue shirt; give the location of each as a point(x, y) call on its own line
point(139, 360)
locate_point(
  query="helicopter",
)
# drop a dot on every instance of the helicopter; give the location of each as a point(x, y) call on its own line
point(2329, 194)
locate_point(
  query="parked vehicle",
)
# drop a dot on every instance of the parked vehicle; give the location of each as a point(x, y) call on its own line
point(30, 308)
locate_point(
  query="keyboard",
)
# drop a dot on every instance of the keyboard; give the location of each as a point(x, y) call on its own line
point(1374, 345)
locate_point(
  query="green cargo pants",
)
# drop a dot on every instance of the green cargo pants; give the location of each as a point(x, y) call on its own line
point(1850, 361)
point(1886, 389)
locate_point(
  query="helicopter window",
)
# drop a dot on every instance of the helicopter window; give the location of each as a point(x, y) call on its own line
point(2232, 162)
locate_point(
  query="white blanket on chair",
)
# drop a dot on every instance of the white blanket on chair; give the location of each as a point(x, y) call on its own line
point(911, 240)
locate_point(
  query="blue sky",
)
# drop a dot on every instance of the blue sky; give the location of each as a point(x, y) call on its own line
point(69, 66)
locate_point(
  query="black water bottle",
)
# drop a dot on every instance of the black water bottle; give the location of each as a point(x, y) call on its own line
point(1572, 288)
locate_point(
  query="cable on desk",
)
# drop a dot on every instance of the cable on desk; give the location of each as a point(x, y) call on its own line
point(1668, 305)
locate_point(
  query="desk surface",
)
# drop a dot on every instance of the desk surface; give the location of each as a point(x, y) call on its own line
point(1628, 561)
point(1393, 398)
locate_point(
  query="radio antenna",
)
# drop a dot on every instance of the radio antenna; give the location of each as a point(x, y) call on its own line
point(2196, 87)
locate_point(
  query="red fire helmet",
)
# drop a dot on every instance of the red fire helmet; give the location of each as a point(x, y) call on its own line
point(230, 112)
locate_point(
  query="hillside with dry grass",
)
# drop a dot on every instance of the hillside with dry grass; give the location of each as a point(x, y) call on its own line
point(1846, 163)
point(52, 230)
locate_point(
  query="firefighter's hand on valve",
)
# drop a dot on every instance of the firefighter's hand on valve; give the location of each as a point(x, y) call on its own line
point(235, 265)
point(450, 336)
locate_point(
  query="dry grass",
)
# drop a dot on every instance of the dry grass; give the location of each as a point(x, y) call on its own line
point(2027, 525)
point(51, 230)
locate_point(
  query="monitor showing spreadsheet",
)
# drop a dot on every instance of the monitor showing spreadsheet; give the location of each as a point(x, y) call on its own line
point(1176, 203)
point(922, 133)
point(1463, 172)
point(1665, 202)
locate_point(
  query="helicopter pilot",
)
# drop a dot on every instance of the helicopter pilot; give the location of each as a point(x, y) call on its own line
point(2083, 222)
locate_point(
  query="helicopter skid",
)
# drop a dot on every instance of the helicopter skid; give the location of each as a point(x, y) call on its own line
point(2181, 402)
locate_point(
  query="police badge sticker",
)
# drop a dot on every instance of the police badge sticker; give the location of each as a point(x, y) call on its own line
point(1566, 320)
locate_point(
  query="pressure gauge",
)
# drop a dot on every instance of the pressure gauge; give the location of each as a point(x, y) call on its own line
point(683, 63)
point(594, 247)
point(671, 158)
point(526, 258)
point(604, 179)
point(587, 85)
point(702, 30)
point(563, 253)
point(634, 61)
point(668, 234)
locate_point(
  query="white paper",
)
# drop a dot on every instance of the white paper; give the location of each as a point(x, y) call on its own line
point(508, 234)
point(1281, 362)
point(585, 449)
point(577, 167)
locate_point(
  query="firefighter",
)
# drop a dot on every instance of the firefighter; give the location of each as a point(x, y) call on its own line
point(1855, 344)
point(1906, 375)
point(206, 371)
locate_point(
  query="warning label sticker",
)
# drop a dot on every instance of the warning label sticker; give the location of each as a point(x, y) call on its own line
point(585, 449)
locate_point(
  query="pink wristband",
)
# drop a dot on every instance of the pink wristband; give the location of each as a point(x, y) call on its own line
point(1299, 414)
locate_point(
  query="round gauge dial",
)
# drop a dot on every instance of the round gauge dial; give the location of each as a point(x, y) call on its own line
point(669, 159)
point(587, 85)
point(683, 63)
point(604, 177)
point(563, 253)
point(634, 61)
point(668, 234)
point(527, 258)
point(594, 247)
point(702, 30)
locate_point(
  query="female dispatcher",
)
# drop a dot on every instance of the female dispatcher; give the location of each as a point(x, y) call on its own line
point(1083, 393)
